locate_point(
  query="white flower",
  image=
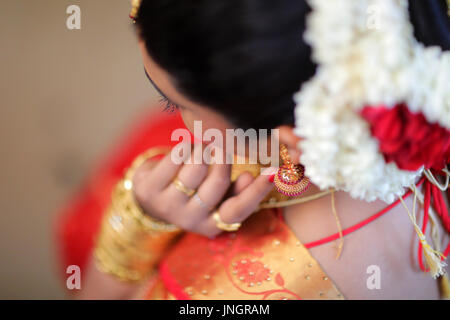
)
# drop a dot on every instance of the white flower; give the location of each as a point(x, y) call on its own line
point(360, 66)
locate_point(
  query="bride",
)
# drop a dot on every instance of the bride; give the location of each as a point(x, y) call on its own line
point(358, 207)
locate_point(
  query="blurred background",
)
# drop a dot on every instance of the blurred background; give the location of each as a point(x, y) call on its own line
point(65, 96)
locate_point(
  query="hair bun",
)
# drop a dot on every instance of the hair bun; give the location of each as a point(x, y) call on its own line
point(431, 21)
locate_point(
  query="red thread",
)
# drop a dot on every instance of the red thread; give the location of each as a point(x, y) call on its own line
point(446, 252)
point(441, 208)
point(360, 224)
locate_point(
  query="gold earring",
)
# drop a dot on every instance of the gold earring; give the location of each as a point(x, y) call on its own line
point(290, 179)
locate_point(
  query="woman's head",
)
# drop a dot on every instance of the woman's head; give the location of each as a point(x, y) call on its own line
point(243, 59)
point(237, 63)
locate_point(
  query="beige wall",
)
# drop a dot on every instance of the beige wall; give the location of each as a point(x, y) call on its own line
point(64, 96)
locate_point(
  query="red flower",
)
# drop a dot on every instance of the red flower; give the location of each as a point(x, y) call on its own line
point(250, 271)
point(407, 138)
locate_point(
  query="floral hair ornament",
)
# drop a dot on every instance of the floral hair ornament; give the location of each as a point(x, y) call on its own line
point(135, 4)
point(381, 100)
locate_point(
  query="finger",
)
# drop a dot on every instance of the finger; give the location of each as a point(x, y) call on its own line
point(248, 199)
point(213, 189)
point(142, 173)
point(166, 169)
point(191, 176)
point(240, 207)
point(242, 182)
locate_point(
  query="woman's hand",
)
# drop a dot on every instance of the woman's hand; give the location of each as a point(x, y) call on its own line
point(157, 195)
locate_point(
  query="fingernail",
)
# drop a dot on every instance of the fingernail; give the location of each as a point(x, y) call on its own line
point(268, 171)
point(271, 177)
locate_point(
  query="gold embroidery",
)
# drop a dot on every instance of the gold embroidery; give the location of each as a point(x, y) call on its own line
point(248, 266)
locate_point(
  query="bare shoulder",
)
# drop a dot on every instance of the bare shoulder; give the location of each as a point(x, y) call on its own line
point(386, 247)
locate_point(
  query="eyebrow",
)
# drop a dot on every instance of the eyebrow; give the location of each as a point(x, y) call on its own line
point(154, 85)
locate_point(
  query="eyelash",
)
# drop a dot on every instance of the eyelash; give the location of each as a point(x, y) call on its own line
point(170, 106)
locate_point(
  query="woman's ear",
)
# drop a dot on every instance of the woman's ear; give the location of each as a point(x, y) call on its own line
point(287, 137)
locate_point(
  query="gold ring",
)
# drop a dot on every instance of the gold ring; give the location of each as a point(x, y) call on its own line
point(181, 187)
point(225, 226)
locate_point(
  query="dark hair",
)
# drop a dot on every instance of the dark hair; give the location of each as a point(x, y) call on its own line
point(431, 22)
point(246, 58)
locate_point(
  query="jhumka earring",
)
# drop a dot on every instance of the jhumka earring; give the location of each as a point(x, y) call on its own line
point(290, 179)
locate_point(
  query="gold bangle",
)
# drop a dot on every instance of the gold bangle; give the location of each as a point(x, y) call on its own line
point(131, 243)
point(126, 250)
point(225, 226)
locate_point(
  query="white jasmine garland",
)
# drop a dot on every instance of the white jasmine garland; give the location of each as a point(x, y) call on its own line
point(360, 64)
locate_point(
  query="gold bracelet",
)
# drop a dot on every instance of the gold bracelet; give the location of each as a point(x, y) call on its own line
point(131, 243)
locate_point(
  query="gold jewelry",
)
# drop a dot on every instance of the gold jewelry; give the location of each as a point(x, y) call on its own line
point(130, 242)
point(273, 203)
point(290, 179)
point(135, 4)
point(225, 226)
point(181, 187)
point(274, 199)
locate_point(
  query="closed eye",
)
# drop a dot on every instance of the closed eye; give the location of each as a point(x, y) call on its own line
point(169, 105)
